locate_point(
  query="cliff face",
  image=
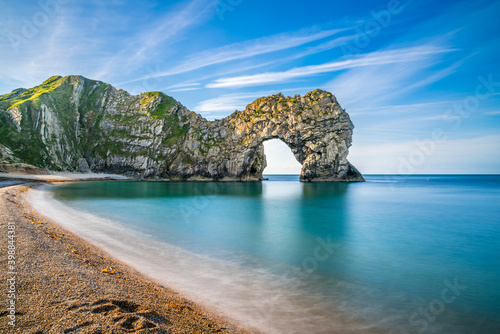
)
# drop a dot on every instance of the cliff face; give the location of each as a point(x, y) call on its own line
point(77, 124)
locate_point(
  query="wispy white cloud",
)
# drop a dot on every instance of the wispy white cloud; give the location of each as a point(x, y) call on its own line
point(492, 113)
point(383, 83)
point(227, 102)
point(98, 42)
point(246, 64)
point(41, 55)
point(173, 23)
point(403, 55)
point(411, 108)
point(164, 31)
point(186, 89)
point(231, 102)
point(251, 48)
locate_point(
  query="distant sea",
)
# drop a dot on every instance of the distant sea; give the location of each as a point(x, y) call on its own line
point(396, 254)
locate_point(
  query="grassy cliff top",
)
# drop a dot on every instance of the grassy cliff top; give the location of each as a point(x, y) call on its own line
point(20, 95)
point(60, 89)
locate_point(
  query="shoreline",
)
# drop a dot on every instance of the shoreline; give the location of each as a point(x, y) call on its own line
point(62, 177)
point(66, 284)
point(258, 300)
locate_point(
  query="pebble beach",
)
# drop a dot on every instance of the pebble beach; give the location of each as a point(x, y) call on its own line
point(59, 283)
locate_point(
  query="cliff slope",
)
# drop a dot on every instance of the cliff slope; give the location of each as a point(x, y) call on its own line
point(76, 124)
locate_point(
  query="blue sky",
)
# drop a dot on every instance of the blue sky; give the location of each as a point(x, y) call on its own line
point(420, 79)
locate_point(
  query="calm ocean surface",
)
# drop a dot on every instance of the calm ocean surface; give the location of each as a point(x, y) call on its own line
point(397, 254)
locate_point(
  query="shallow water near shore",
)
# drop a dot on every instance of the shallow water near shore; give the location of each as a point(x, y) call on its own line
point(397, 254)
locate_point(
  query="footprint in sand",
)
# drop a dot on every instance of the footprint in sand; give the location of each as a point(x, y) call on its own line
point(124, 314)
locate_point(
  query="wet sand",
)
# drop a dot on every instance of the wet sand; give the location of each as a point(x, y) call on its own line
point(63, 284)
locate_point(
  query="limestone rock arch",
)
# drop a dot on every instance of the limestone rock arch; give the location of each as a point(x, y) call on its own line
point(314, 126)
point(77, 124)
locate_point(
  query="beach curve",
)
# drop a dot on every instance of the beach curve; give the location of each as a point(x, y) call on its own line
point(65, 284)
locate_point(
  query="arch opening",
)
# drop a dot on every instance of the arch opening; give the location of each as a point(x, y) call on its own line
point(280, 159)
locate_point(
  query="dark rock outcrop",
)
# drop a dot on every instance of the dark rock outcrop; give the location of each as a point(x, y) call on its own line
point(77, 124)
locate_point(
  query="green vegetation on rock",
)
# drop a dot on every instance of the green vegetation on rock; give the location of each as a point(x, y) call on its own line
point(77, 124)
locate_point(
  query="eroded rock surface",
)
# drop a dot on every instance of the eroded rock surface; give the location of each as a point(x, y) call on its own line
point(77, 124)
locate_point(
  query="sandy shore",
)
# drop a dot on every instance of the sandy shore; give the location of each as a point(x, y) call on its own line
point(62, 284)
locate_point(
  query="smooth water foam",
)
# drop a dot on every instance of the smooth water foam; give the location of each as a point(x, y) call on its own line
point(415, 254)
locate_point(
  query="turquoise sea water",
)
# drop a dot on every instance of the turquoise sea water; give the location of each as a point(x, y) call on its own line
point(397, 254)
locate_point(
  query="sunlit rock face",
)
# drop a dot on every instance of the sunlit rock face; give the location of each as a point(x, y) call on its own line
point(77, 124)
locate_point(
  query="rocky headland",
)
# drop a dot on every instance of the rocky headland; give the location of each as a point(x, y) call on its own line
point(76, 124)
